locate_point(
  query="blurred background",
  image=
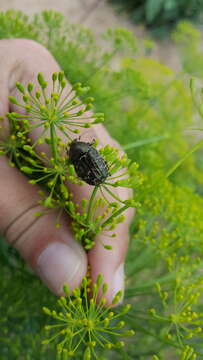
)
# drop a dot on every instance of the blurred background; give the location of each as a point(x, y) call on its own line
point(155, 18)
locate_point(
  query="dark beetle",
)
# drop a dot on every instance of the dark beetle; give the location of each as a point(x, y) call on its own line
point(88, 163)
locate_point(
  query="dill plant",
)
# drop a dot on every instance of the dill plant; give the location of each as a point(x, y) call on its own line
point(153, 106)
point(84, 322)
point(58, 113)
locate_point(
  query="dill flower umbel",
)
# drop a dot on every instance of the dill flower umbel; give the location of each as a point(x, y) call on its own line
point(64, 111)
point(105, 208)
point(86, 324)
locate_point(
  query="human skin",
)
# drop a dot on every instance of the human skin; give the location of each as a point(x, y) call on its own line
point(52, 253)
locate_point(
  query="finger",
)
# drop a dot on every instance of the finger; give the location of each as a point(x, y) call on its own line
point(51, 252)
point(110, 263)
point(32, 59)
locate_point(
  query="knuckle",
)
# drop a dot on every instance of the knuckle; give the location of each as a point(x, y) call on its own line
point(30, 234)
point(21, 225)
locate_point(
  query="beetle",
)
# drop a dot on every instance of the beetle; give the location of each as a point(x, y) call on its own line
point(88, 163)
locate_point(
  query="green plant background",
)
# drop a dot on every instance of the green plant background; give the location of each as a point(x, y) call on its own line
point(152, 106)
point(161, 16)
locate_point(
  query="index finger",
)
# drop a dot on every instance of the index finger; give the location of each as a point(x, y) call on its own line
point(110, 263)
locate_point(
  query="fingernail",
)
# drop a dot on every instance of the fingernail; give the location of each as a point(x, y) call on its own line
point(59, 264)
point(118, 281)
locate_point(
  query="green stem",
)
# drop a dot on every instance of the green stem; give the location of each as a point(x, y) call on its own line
point(132, 321)
point(112, 194)
point(136, 267)
point(188, 153)
point(192, 88)
point(53, 142)
point(91, 203)
point(115, 214)
point(150, 284)
point(139, 143)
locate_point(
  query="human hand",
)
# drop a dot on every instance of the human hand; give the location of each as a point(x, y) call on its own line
point(53, 253)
